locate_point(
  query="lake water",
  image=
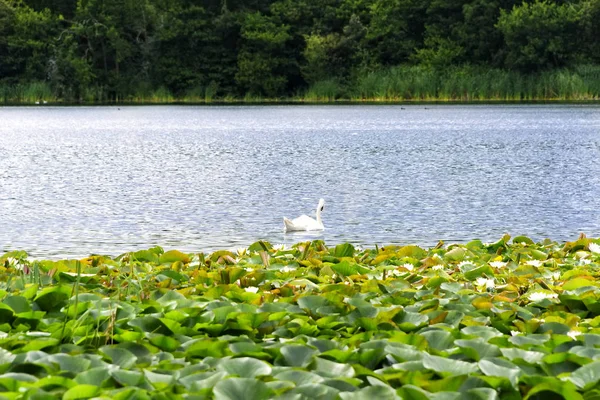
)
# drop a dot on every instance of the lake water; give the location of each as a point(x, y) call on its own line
point(81, 180)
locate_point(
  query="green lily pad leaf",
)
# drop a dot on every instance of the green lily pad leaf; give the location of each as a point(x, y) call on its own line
point(484, 332)
point(145, 256)
point(312, 391)
point(244, 367)
point(299, 377)
point(241, 388)
point(206, 348)
point(151, 325)
point(312, 302)
point(165, 343)
point(410, 321)
point(379, 392)
point(439, 339)
point(18, 304)
point(121, 357)
point(531, 357)
point(127, 378)
point(53, 298)
point(449, 366)
point(203, 380)
point(344, 250)
point(411, 392)
point(456, 254)
point(502, 368)
point(70, 363)
point(523, 239)
point(298, 355)
point(50, 382)
point(480, 394)
point(566, 389)
point(172, 256)
point(587, 376)
point(331, 369)
point(174, 275)
point(476, 349)
point(39, 344)
point(576, 283)
point(81, 392)
point(475, 273)
point(94, 376)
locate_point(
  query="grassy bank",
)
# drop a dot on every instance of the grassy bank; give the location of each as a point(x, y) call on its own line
point(399, 84)
point(505, 320)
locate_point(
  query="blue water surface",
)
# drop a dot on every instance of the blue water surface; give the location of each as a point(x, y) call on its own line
point(81, 180)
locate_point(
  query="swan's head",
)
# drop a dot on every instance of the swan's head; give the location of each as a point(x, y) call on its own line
point(320, 206)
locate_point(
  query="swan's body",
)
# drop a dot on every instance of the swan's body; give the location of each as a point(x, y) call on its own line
point(304, 222)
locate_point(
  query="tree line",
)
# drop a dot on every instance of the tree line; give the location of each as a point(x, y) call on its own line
point(107, 50)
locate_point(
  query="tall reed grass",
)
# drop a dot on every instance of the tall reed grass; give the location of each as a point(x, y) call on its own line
point(469, 83)
point(26, 93)
point(401, 83)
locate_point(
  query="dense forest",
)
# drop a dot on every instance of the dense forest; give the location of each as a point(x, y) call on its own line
point(169, 50)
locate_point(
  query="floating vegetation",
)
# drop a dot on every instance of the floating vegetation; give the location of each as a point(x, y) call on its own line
point(505, 320)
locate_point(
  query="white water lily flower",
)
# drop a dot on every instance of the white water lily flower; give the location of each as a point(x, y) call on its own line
point(534, 263)
point(287, 269)
point(248, 269)
point(573, 334)
point(280, 247)
point(437, 267)
point(395, 272)
point(585, 261)
point(488, 283)
point(251, 289)
point(463, 263)
point(514, 333)
point(242, 250)
point(556, 275)
point(498, 264)
point(408, 266)
point(537, 296)
point(594, 248)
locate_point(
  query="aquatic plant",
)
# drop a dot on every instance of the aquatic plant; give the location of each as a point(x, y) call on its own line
point(503, 320)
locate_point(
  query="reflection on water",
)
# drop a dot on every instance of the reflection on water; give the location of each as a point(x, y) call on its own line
point(82, 180)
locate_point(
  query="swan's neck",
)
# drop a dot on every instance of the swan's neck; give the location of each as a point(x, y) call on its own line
point(319, 216)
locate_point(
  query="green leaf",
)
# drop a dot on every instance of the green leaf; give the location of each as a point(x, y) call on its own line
point(206, 348)
point(587, 376)
point(449, 366)
point(244, 367)
point(121, 357)
point(502, 368)
point(127, 378)
point(18, 304)
point(52, 298)
point(477, 349)
point(565, 389)
point(378, 392)
point(165, 343)
point(331, 369)
point(172, 256)
point(94, 376)
point(241, 388)
point(344, 250)
point(81, 392)
point(298, 355)
point(299, 377)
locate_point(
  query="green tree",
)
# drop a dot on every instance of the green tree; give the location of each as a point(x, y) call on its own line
point(263, 64)
point(396, 29)
point(540, 35)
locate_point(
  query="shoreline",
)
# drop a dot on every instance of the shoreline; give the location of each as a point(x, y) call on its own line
point(291, 102)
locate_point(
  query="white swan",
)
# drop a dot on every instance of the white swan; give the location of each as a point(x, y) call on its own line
point(304, 222)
